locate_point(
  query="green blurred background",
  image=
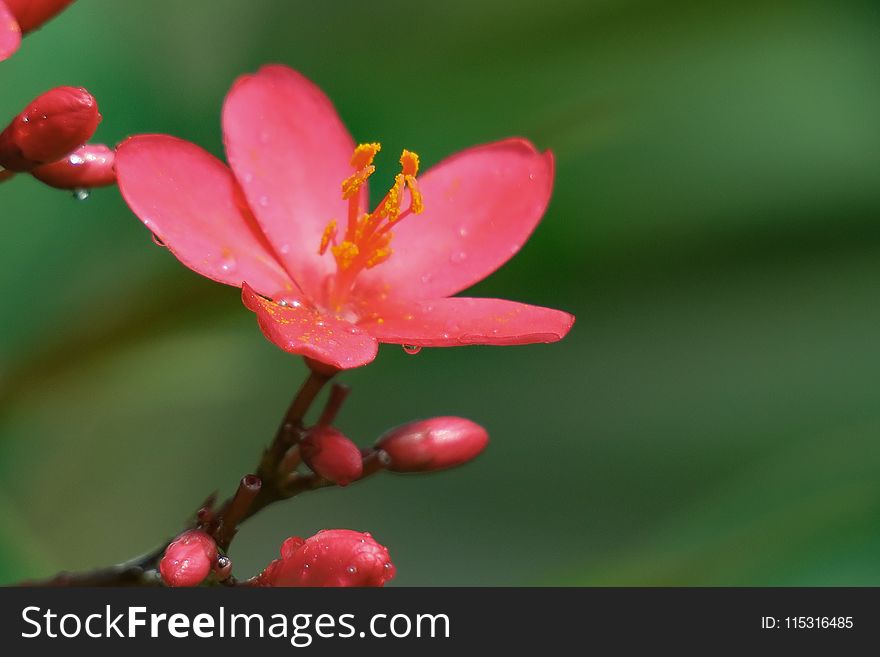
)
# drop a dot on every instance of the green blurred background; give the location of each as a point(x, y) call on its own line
point(712, 419)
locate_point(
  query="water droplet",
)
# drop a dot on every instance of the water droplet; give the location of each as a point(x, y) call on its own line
point(248, 176)
point(157, 241)
point(306, 566)
point(75, 159)
point(228, 265)
point(463, 231)
point(81, 193)
point(285, 249)
point(351, 570)
point(411, 349)
point(263, 201)
point(458, 257)
point(426, 278)
point(531, 176)
point(388, 566)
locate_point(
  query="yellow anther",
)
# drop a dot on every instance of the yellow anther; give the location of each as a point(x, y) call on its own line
point(417, 204)
point(378, 257)
point(327, 237)
point(409, 162)
point(352, 185)
point(364, 154)
point(391, 207)
point(345, 254)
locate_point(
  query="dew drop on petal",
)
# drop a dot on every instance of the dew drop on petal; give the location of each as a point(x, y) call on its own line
point(263, 201)
point(463, 231)
point(81, 193)
point(228, 265)
point(157, 241)
point(351, 570)
point(458, 257)
point(426, 278)
point(75, 159)
point(411, 349)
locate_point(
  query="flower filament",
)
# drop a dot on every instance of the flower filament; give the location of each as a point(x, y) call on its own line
point(367, 237)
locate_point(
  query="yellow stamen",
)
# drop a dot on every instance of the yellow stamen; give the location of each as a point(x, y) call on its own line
point(367, 238)
point(328, 236)
point(345, 254)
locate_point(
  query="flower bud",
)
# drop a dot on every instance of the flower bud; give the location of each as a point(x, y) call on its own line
point(332, 557)
point(333, 456)
point(435, 444)
point(87, 167)
point(31, 14)
point(53, 125)
point(188, 559)
point(10, 33)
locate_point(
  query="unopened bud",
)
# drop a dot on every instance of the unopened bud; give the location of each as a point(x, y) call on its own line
point(332, 557)
point(10, 32)
point(188, 559)
point(53, 125)
point(87, 167)
point(435, 444)
point(333, 456)
point(31, 14)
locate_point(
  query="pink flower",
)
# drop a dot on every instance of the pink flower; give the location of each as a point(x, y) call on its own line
point(19, 17)
point(435, 444)
point(332, 557)
point(188, 559)
point(290, 224)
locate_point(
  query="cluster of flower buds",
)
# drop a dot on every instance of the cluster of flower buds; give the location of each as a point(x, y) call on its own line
point(18, 17)
point(48, 140)
point(332, 557)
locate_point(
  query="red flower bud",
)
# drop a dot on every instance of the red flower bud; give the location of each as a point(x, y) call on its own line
point(31, 14)
point(333, 456)
point(53, 125)
point(87, 167)
point(10, 33)
point(188, 559)
point(435, 444)
point(332, 557)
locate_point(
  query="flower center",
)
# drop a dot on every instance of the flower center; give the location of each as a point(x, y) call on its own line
point(367, 238)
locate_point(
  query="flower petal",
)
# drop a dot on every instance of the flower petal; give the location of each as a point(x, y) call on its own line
point(290, 153)
point(10, 33)
point(461, 321)
point(481, 205)
point(300, 329)
point(190, 201)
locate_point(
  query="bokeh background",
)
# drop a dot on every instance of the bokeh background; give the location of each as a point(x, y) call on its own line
point(712, 419)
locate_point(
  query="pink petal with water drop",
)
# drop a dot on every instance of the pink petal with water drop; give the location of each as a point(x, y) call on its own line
point(481, 205)
point(191, 202)
point(300, 329)
point(290, 153)
point(460, 321)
